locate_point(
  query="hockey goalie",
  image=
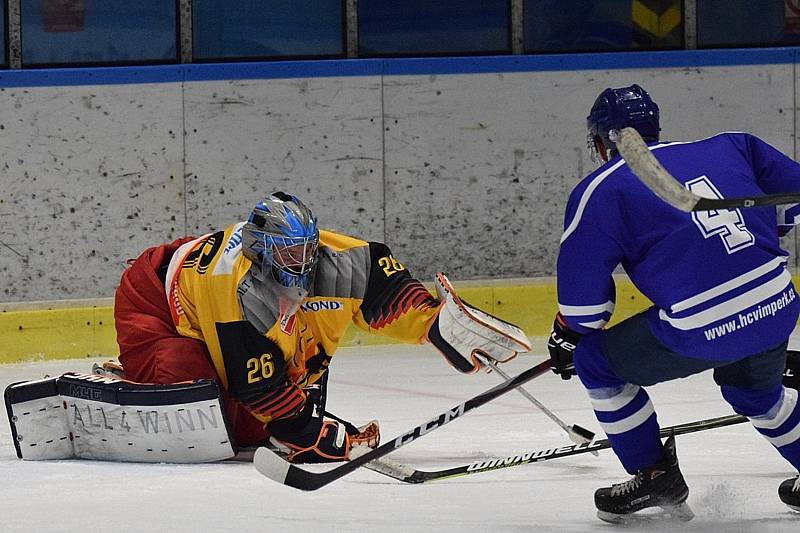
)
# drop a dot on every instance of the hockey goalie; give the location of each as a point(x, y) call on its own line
point(226, 339)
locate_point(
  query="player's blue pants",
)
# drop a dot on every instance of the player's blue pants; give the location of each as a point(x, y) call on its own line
point(615, 364)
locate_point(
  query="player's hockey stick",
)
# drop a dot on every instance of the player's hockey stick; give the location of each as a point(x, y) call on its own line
point(647, 168)
point(576, 433)
point(274, 467)
point(409, 474)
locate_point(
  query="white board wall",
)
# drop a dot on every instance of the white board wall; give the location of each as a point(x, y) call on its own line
point(466, 173)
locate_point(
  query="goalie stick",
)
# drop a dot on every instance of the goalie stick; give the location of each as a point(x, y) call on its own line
point(408, 474)
point(274, 467)
point(643, 163)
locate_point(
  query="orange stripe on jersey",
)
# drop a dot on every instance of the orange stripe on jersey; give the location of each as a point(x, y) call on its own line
point(412, 295)
point(280, 404)
point(289, 410)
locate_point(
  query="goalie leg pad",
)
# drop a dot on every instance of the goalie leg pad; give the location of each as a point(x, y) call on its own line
point(462, 332)
point(81, 416)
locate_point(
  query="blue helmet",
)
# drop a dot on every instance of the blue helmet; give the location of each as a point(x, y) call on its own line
point(281, 236)
point(620, 108)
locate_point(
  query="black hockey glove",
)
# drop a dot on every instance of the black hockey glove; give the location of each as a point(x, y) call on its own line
point(791, 376)
point(561, 345)
point(308, 438)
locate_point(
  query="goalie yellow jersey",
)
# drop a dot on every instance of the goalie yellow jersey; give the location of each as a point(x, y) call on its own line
point(218, 296)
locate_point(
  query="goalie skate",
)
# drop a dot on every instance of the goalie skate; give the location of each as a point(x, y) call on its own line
point(109, 369)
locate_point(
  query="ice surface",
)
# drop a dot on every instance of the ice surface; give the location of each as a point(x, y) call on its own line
point(732, 472)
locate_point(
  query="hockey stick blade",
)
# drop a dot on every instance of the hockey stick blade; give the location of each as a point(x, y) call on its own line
point(580, 432)
point(408, 474)
point(277, 469)
point(646, 167)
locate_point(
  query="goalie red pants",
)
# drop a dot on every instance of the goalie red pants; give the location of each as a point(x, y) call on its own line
point(152, 351)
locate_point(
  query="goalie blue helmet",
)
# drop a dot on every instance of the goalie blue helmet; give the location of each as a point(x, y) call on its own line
point(281, 236)
point(620, 108)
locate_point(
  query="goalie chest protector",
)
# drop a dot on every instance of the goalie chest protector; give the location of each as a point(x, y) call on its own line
point(82, 416)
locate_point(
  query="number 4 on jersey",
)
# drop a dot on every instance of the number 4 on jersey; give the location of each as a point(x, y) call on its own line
point(727, 223)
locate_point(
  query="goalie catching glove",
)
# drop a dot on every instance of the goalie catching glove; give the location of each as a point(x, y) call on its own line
point(462, 333)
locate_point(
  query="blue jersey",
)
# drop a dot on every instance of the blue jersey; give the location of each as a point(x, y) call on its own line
point(717, 279)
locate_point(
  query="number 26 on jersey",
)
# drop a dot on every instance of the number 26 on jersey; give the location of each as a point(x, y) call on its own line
point(259, 368)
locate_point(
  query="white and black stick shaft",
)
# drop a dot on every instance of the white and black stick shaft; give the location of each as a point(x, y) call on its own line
point(577, 434)
point(409, 474)
point(643, 163)
point(276, 468)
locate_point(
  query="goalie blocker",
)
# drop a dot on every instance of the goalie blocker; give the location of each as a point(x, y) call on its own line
point(81, 416)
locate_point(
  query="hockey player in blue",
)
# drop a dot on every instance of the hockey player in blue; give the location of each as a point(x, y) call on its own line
point(722, 296)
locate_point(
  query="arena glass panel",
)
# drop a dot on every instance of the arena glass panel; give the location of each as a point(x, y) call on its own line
point(602, 25)
point(722, 23)
point(422, 27)
point(86, 32)
point(263, 29)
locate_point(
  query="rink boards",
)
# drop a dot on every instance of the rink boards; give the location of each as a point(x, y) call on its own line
point(83, 328)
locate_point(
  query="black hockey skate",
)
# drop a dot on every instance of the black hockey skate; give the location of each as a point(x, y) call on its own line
point(789, 493)
point(661, 485)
